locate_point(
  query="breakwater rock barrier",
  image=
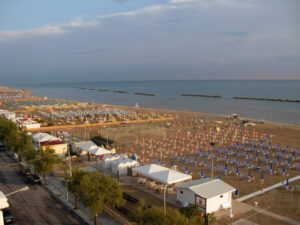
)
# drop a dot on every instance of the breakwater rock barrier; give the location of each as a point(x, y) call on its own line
point(141, 93)
point(267, 99)
point(208, 96)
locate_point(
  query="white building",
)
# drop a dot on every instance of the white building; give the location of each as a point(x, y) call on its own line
point(8, 115)
point(3, 204)
point(27, 123)
point(208, 194)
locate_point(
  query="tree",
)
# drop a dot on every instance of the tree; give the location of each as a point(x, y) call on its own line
point(8, 132)
point(174, 217)
point(44, 161)
point(22, 143)
point(150, 216)
point(98, 191)
point(75, 184)
point(190, 211)
point(155, 216)
point(196, 220)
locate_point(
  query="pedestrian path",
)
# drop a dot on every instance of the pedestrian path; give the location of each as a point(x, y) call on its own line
point(265, 190)
point(276, 216)
point(59, 189)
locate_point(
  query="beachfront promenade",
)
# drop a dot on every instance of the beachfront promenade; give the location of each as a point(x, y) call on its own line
point(266, 189)
point(98, 124)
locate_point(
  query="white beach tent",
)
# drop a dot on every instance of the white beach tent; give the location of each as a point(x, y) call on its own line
point(162, 174)
point(42, 137)
point(99, 151)
point(91, 147)
point(122, 165)
point(86, 145)
point(107, 160)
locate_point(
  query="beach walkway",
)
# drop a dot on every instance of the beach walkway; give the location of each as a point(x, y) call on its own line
point(97, 124)
point(265, 189)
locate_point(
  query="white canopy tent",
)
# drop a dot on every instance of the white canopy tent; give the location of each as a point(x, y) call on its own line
point(99, 151)
point(91, 147)
point(86, 145)
point(42, 137)
point(162, 174)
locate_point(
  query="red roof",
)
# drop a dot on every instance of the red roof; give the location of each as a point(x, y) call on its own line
point(54, 142)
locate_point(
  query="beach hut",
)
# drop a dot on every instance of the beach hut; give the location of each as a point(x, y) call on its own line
point(208, 194)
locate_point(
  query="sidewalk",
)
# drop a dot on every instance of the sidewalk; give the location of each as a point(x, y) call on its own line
point(57, 189)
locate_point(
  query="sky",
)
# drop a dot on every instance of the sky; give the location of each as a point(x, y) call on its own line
point(112, 40)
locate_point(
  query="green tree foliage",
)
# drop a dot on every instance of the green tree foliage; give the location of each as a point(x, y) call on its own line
point(155, 216)
point(190, 211)
point(8, 132)
point(174, 217)
point(22, 144)
point(190, 215)
point(197, 220)
point(44, 161)
point(15, 141)
point(150, 216)
point(211, 218)
point(75, 184)
point(99, 191)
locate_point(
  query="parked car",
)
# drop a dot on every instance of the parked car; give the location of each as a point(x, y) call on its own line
point(34, 179)
point(7, 216)
point(2, 148)
point(25, 172)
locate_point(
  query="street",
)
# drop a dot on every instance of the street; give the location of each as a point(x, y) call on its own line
point(34, 206)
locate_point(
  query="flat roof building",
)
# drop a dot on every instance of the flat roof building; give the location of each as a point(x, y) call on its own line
point(208, 194)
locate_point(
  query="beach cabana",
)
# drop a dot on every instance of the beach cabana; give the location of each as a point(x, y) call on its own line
point(164, 175)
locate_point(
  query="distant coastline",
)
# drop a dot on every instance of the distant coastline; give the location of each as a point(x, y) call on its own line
point(168, 96)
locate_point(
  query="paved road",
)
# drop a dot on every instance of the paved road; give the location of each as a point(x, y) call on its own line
point(34, 206)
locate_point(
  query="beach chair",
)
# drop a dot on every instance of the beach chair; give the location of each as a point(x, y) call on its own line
point(186, 170)
point(202, 174)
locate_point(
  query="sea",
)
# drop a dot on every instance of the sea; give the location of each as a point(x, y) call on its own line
point(168, 96)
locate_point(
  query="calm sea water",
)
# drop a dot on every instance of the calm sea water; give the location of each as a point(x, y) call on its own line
point(168, 96)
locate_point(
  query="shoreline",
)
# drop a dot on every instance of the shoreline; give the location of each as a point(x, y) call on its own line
point(224, 116)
